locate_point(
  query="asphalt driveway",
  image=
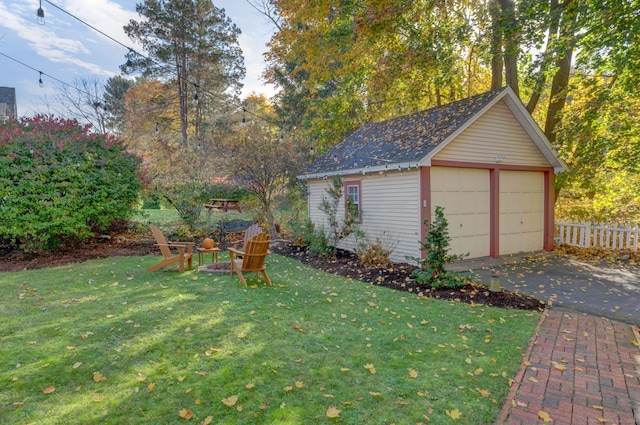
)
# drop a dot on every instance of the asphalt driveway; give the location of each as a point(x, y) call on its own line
point(607, 289)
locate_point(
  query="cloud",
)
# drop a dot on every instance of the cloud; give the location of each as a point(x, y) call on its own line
point(107, 16)
point(64, 39)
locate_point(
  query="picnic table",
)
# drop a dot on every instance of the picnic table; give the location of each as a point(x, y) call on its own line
point(223, 205)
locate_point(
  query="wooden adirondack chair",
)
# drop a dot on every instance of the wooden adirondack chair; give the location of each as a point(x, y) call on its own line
point(185, 251)
point(253, 257)
point(248, 235)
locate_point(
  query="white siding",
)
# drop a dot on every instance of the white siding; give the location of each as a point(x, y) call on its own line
point(497, 132)
point(390, 210)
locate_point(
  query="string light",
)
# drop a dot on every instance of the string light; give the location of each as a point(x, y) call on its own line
point(40, 14)
point(45, 74)
point(129, 62)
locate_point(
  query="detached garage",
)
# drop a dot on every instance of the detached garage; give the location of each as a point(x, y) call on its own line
point(484, 159)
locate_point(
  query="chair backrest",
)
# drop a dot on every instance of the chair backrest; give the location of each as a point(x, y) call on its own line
point(161, 241)
point(255, 252)
point(249, 234)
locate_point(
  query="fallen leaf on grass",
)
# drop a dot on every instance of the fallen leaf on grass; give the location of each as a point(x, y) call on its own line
point(454, 414)
point(230, 401)
point(413, 373)
point(77, 365)
point(49, 390)
point(151, 387)
point(185, 414)
point(207, 421)
point(333, 412)
point(97, 377)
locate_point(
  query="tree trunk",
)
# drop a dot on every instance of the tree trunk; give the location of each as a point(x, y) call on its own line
point(541, 79)
point(183, 88)
point(560, 83)
point(511, 37)
point(496, 45)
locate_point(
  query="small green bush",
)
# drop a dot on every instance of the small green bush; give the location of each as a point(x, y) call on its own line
point(60, 184)
point(339, 227)
point(305, 233)
point(432, 272)
point(372, 254)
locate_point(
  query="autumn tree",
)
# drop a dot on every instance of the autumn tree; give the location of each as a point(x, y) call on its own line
point(342, 64)
point(263, 158)
point(153, 131)
point(194, 44)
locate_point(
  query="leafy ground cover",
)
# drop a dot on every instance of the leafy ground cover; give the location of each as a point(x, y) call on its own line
point(105, 341)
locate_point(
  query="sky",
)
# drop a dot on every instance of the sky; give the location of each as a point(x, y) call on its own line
point(67, 49)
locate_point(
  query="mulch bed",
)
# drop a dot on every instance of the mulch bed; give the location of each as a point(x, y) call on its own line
point(397, 276)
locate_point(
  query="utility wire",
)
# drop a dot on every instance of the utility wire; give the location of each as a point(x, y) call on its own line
point(90, 26)
point(45, 74)
point(210, 93)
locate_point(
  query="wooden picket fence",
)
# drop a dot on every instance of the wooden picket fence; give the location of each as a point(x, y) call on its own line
point(586, 235)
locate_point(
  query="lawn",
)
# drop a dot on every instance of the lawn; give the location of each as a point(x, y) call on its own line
point(105, 341)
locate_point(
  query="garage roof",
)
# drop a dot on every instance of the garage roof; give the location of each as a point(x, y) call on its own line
point(411, 140)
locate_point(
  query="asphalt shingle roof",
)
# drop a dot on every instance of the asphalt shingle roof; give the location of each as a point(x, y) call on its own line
point(400, 140)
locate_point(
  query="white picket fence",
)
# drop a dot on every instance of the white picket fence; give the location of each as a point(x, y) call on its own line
point(586, 235)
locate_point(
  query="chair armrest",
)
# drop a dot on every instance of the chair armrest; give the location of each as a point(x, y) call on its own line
point(234, 252)
point(183, 245)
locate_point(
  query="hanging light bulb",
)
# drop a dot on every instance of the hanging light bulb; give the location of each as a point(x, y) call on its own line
point(129, 63)
point(157, 129)
point(195, 97)
point(40, 14)
point(40, 83)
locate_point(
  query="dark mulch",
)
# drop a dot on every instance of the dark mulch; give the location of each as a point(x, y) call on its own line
point(397, 276)
point(12, 260)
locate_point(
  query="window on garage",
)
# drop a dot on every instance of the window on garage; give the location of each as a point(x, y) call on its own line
point(353, 194)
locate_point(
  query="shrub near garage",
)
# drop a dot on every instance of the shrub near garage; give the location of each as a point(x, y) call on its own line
point(59, 183)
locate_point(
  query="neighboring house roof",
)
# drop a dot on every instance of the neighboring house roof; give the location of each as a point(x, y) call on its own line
point(412, 140)
point(8, 98)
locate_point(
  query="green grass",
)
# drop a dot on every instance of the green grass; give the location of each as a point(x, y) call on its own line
point(167, 343)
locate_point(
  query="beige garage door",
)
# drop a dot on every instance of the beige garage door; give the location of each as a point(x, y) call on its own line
point(464, 194)
point(521, 211)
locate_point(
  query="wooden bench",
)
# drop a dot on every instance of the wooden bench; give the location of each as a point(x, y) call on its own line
point(229, 227)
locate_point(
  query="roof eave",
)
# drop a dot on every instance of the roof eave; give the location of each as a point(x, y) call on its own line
point(397, 166)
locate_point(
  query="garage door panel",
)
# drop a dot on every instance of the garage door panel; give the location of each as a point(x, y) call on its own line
point(521, 211)
point(464, 195)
